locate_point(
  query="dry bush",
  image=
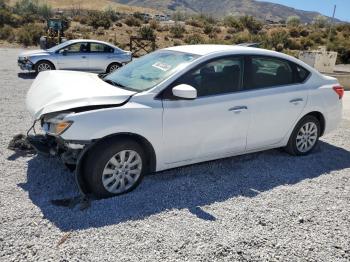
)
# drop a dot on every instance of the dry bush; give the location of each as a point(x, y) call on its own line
point(7, 33)
point(278, 36)
point(194, 22)
point(154, 24)
point(294, 32)
point(208, 29)
point(132, 21)
point(194, 39)
point(30, 34)
point(146, 32)
point(177, 30)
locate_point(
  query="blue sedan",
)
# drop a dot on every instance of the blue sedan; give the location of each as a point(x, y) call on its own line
point(80, 54)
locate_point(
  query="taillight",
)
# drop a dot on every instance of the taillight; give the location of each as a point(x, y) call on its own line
point(339, 90)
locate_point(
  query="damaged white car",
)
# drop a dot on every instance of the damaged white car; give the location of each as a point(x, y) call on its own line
point(179, 106)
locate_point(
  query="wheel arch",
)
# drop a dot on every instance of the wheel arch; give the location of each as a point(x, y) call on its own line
point(45, 60)
point(114, 62)
point(149, 151)
point(320, 117)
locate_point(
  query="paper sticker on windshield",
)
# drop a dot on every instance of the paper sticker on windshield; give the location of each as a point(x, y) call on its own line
point(162, 66)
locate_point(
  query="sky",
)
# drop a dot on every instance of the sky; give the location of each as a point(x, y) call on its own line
point(324, 7)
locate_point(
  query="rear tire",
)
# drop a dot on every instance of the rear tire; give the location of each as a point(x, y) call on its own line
point(112, 67)
point(115, 167)
point(44, 66)
point(304, 137)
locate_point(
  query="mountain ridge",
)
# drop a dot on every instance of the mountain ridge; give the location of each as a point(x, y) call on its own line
point(259, 9)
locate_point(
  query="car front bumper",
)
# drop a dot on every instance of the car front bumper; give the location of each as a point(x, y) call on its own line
point(67, 151)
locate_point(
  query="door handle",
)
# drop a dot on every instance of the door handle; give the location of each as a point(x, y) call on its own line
point(83, 56)
point(296, 100)
point(238, 108)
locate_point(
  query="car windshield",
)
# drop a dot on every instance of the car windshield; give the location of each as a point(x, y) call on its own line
point(59, 46)
point(148, 71)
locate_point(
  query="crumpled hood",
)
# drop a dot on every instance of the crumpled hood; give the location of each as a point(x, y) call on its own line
point(37, 52)
point(54, 91)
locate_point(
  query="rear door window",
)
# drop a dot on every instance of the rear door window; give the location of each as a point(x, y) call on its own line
point(268, 72)
point(100, 48)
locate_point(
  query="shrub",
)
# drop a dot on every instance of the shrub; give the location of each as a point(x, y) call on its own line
point(294, 32)
point(231, 30)
point(317, 37)
point(304, 32)
point(227, 37)
point(98, 19)
point(111, 14)
point(279, 47)
point(154, 24)
point(177, 30)
point(208, 29)
point(132, 21)
point(194, 22)
point(179, 16)
point(32, 9)
point(232, 22)
point(306, 43)
point(30, 34)
point(320, 21)
point(146, 32)
point(194, 39)
point(5, 17)
point(293, 20)
point(138, 15)
point(242, 37)
point(217, 29)
point(207, 19)
point(251, 24)
point(6, 33)
point(294, 44)
point(278, 36)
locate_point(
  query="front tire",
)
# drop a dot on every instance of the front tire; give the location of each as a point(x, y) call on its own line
point(44, 66)
point(304, 137)
point(115, 167)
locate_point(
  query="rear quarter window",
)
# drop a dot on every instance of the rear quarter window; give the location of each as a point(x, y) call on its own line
point(301, 74)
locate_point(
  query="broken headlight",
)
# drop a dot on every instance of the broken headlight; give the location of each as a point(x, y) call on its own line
point(56, 125)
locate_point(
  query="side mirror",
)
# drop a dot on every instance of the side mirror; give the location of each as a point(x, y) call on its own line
point(64, 52)
point(185, 91)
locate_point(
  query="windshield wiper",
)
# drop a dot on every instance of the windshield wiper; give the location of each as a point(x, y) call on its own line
point(109, 81)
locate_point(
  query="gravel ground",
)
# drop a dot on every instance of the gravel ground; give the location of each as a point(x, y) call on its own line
point(266, 206)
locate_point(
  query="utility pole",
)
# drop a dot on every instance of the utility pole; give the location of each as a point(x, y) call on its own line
point(331, 25)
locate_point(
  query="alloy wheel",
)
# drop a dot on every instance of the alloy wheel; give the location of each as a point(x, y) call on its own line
point(307, 137)
point(122, 171)
point(43, 67)
point(113, 68)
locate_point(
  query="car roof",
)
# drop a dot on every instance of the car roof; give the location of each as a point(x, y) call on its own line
point(209, 49)
point(204, 50)
point(89, 41)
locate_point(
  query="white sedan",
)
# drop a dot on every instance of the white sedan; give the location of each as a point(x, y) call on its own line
point(179, 106)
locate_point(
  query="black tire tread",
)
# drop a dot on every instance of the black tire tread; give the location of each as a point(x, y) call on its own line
point(98, 157)
point(291, 146)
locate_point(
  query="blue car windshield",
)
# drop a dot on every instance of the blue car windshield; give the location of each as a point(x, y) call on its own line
point(146, 72)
